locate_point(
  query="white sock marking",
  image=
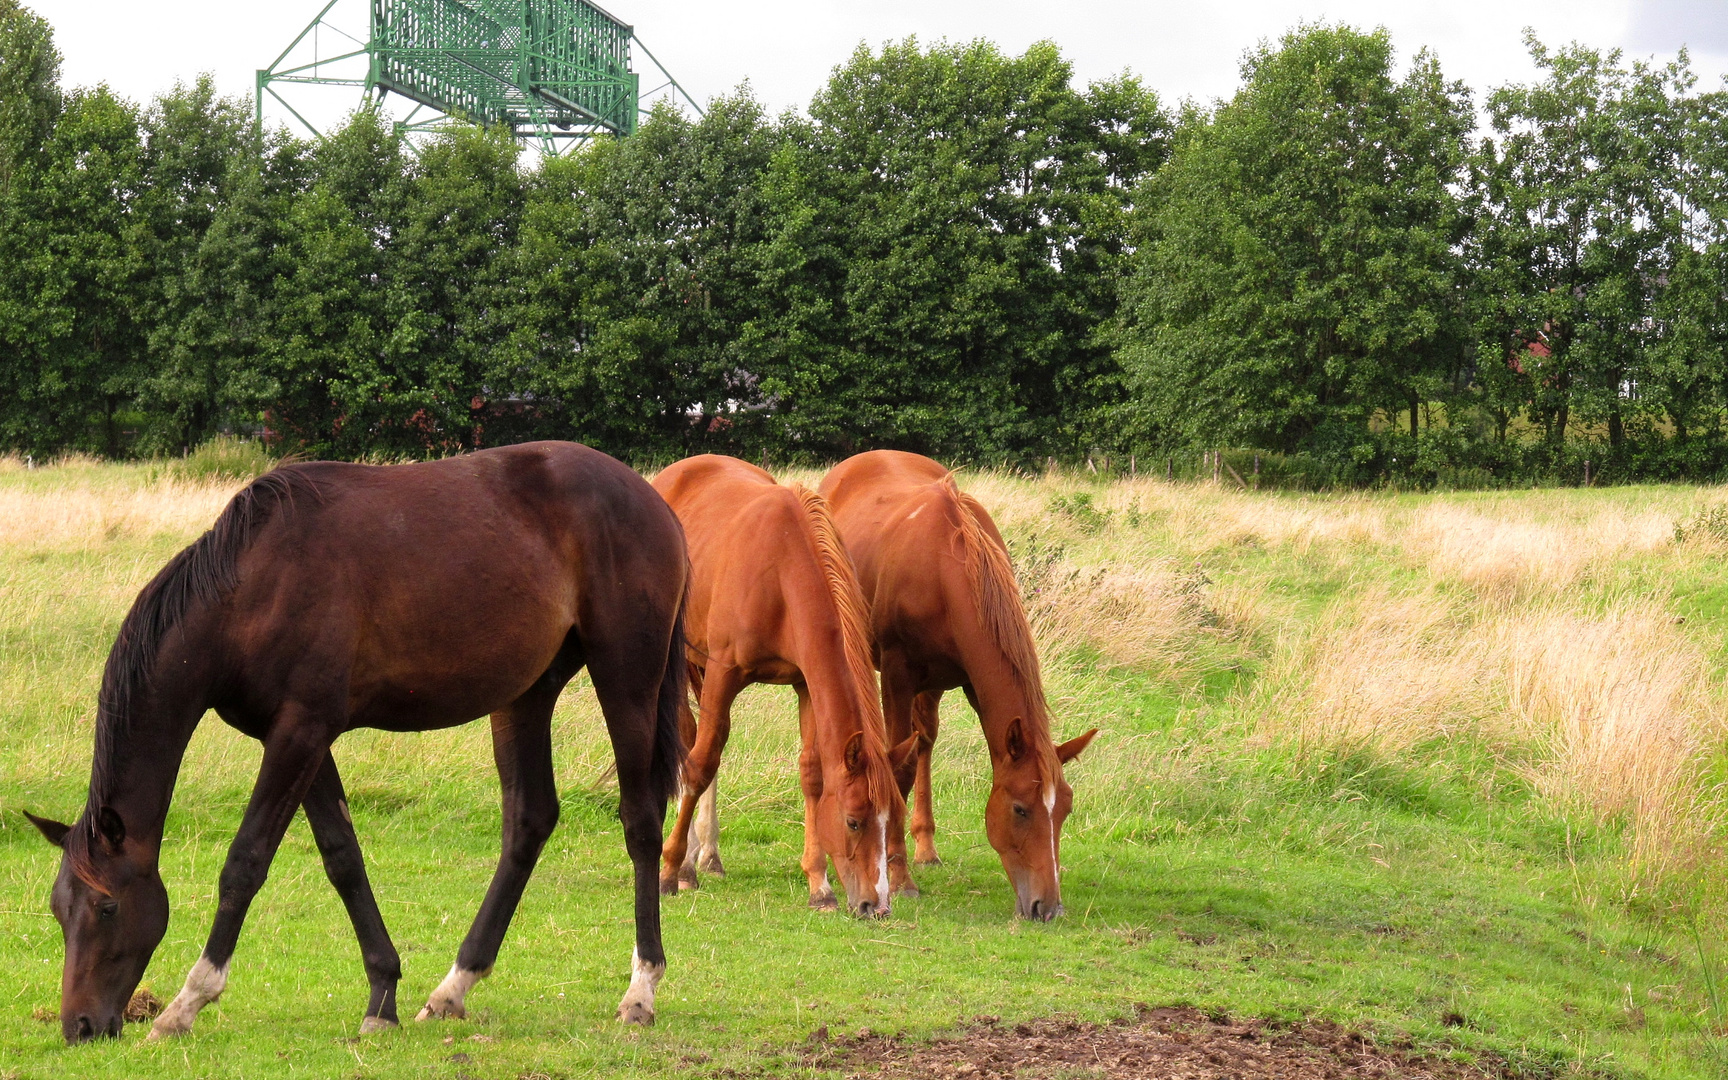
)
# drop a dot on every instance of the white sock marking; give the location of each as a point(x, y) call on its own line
point(638, 1004)
point(204, 984)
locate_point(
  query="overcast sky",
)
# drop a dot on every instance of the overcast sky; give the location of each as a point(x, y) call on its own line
point(786, 48)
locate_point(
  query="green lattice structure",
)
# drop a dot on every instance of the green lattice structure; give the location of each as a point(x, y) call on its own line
point(553, 71)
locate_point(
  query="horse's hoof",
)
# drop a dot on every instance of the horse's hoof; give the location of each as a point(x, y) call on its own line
point(374, 1024)
point(442, 1012)
point(929, 859)
point(710, 864)
point(634, 1012)
point(669, 886)
point(824, 902)
point(176, 1019)
point(687, 880)
point(909, 891)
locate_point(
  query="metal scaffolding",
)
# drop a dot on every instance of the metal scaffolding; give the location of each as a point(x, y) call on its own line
point(553, 71)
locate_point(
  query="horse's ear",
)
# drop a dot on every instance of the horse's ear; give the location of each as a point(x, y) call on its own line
point(855, 753)
point(53, 831)
point(111, 828)
point(1015, 739)
point(1070, 750)
point(904, 759)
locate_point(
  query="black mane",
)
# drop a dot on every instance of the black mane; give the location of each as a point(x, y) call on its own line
point(205, 572)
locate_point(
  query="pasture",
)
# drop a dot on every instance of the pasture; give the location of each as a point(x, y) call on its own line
point(1445, 768)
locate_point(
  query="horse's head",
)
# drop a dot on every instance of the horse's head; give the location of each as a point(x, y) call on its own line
point(113, 911)
point(1029, 800)
point(860, 809)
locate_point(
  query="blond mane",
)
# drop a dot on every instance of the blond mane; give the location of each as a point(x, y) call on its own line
point(852, 610)
point(997, 595)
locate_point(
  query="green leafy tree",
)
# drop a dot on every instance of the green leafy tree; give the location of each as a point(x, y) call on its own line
point(445, 287)
point(1296, 273)
point(330, 233)
point(196, 146)
point(638, 259)
point(30, 98)
point(1578, 179)
point(941, 222)
point(74, 341)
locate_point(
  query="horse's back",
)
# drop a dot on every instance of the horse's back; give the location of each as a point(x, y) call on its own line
point(440, 590)
point(731, 510)
point(748, 541)
point(902, 522)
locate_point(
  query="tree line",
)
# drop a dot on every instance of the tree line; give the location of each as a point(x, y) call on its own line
point(951, 250)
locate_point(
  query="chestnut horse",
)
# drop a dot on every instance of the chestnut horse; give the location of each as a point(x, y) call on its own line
point(331, 596)
point(773, 600)
point(944, 613)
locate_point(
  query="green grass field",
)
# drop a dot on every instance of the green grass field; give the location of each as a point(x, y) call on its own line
point(1445, 767)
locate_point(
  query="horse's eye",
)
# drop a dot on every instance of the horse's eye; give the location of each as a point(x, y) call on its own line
point(107, 910)
point(854, 824)
point(1020, 811)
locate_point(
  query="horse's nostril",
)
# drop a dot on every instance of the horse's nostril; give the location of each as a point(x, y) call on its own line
point(865, 909)
point(85, 1028)
point(1038, 909)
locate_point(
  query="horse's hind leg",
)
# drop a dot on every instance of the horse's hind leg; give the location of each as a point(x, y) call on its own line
point(522, 748)
point(333, 829)
point(293, 754)
point(633, 686)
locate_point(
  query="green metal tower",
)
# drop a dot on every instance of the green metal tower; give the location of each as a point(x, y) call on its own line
point(552, 71)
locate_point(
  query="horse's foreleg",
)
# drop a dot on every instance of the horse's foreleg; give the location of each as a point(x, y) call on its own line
point(927, 722)
point(333, 830)
point(705, 833)
point(292, 756)
point(897, 709)
point(522, 749)
point(814, 861)
point(719, 688)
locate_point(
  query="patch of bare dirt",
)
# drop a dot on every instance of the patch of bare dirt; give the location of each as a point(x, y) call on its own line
point(1158, 1044)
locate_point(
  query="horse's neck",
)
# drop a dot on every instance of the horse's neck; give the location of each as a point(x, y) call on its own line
point(1000, 691)
point(138, 779)
point(828, 673)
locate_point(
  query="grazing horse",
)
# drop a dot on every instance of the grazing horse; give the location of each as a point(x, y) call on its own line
point(331, 596)
point(944, 613)
point(773, 600)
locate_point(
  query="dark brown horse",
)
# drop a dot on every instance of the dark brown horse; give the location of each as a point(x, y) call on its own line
point(773, 600)
point(945, 613)
point(329, 597)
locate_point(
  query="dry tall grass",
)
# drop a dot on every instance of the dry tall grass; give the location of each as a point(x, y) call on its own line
point(85, 516)
point(1535, 622)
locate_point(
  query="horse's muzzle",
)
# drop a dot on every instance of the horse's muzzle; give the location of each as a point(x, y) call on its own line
point(83, 1028)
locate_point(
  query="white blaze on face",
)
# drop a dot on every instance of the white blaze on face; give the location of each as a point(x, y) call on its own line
point(882, 864)
point(1050, 815)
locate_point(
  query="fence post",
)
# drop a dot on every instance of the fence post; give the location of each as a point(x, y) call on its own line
point(1586, 472)
point(1217, 466)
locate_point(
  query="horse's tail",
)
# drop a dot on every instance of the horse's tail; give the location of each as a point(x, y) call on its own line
point(668, 763)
